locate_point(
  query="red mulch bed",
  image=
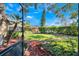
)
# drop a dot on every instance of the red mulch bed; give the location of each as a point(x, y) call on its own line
point(34, 48)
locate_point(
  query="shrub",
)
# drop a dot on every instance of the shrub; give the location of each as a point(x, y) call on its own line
point(70, 30)
point(15, 34)
point(42, 29)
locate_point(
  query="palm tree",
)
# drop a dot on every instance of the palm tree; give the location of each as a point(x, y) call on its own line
point(17, 21)
point(3, 22)
point(58, 11)
point(53, 8)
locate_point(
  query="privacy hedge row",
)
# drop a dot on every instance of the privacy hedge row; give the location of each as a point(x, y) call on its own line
point(61, 30)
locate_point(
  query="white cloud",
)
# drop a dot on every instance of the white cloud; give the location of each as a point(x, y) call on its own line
point(29, 17)
point(35, 12)
point(11, 5)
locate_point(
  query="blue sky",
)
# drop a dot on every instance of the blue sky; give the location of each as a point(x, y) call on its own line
point(34, 16)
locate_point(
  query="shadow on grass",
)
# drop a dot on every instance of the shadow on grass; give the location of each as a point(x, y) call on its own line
point(38, 36)
point(65, 47)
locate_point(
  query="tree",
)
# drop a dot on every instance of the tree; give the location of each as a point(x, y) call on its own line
point(58, 11)
point(43, 20)
point(17, 20)
point(66, 8)
point(3, 23)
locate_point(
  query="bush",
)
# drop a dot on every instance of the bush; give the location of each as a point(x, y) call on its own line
point(63, 47)
point(15, 34)
point(42, 29)
point(71, 30)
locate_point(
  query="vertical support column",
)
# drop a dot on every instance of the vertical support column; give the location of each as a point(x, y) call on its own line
point(78, 29)
point(22, 29)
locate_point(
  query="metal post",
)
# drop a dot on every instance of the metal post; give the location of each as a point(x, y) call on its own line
point(78, 29)
point(22, 29)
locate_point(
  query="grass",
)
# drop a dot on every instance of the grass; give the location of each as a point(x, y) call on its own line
point(63, 47)
point(30, 36)
point(58, 45)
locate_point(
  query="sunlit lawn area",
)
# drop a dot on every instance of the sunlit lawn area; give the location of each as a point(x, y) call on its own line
point(55, 44)
point(30, 36)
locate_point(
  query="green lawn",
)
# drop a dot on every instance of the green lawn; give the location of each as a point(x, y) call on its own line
point(30, 36)
point(58, 45)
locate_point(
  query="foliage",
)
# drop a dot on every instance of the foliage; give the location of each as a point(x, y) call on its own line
point(30, 36)
point(57, 45)
point(74, 15)
point(43, 20)
point(15, 34)
point(59, 11)
point(42, 29)
point(63, 47)
point(69, 30)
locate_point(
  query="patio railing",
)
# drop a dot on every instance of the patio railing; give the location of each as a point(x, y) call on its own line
point(14, 50)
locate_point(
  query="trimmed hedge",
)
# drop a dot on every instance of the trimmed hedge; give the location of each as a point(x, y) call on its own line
point(60, 30)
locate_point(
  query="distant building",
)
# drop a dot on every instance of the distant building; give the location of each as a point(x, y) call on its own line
point(35, 29)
